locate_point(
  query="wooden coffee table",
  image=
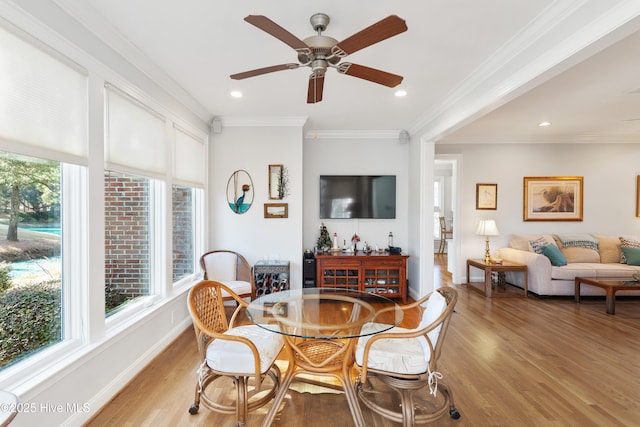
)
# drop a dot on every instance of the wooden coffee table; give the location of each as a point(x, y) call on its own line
point(611, 286)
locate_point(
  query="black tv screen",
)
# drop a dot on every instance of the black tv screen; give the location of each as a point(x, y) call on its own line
point(358, 196)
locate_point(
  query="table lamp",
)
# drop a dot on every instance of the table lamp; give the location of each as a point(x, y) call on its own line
point(487, 227)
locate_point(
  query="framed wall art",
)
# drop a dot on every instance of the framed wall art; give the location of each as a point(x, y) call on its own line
point(276, 210)
point(486, 196)
point(553, 198)
point(278, 182)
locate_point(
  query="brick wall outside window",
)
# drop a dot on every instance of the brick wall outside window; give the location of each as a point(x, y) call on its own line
point(182, 202)
point(127, 234)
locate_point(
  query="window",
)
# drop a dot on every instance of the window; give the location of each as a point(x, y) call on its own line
point(60, 198)
point(43, 98)
point(127, 239)
point(30, 257)
point(183, 199)
point(189, 172)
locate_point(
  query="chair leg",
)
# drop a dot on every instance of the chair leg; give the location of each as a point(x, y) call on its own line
point(442, 244)
point(408, 410)
point(196, 401)
point(242, 404)
point(277, 400)
point(445, 390)
point(352, 397)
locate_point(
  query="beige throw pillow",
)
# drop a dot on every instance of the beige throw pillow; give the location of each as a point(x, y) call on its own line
point(609, 248)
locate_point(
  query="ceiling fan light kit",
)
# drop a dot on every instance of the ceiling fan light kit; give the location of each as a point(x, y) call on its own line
point(322, 52)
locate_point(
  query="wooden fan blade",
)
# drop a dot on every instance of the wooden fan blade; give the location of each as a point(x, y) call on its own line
point(316, 86)
point(268, 26)
point(265, 70)
point(370, 74)
point(381, 30)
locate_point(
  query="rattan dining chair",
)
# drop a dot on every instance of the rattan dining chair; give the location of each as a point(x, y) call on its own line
point(405, 361)
point(231, 269)
point(245, 354)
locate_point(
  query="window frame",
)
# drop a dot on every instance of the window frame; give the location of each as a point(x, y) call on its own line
point(82, 207)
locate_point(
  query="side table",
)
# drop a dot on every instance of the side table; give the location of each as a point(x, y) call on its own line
point(270, 276)
point(500, 269)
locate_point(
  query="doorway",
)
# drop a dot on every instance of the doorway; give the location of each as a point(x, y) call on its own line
point(446, 203)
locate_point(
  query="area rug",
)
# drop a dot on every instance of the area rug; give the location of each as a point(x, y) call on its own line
point(309, 404)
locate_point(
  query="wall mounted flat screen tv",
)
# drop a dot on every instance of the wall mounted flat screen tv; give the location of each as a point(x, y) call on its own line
point(358, 196)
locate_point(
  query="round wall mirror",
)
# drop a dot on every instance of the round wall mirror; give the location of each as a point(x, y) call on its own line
point(240, 191)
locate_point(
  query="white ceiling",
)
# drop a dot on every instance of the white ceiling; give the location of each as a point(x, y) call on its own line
point(481, 70)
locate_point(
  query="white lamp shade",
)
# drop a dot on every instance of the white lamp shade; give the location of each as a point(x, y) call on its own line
point(487, 227)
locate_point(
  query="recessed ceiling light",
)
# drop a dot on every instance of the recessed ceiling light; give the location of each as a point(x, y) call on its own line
point(236, 94)
point(544, 124)
point(400, 93)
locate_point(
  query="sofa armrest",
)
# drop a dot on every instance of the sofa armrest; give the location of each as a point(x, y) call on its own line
point(538, 267)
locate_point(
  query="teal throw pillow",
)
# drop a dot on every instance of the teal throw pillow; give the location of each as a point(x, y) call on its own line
point(555, 256)
point(632, 255)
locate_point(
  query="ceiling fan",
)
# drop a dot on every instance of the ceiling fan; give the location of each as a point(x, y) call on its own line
point(321, 52)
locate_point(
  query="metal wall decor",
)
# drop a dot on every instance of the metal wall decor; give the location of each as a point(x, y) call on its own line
point(240, 191)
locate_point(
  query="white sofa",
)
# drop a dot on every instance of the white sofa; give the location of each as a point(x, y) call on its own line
point(584, 259)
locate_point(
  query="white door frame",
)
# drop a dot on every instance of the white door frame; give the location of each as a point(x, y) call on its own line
point(454, 247)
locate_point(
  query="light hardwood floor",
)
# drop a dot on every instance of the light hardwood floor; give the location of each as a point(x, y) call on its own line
point(509, 362)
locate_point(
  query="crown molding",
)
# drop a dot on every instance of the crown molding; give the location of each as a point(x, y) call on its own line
point(352, 134)
point(262, 121)
point(300, 121)
point(549, 139)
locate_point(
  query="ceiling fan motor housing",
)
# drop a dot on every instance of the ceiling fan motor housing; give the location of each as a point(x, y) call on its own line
point(319, 21)
point(320, 47)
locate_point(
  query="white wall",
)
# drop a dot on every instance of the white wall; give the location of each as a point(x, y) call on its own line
point(255, 237)
point(609, 172)
point(356, 157)
point(420, 224)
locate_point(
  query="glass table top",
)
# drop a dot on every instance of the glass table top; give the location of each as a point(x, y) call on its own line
point(323, 313)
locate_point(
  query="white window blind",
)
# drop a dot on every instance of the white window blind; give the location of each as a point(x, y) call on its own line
point(43, 101)
point(135, 134)
point(189, 158)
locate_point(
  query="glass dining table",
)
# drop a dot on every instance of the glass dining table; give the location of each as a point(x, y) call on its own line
point(320, 327)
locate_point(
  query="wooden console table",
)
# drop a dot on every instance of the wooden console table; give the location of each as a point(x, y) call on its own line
point(379, 273)
point(491, 267)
